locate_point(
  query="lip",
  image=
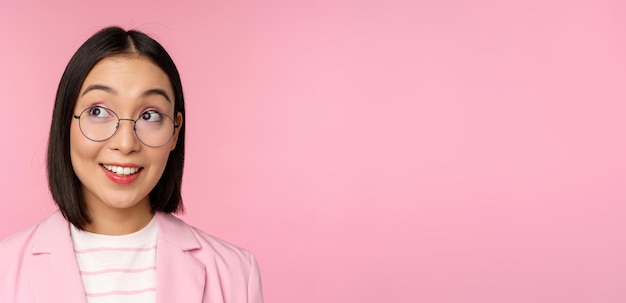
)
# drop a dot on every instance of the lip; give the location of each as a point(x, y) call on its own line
point(121, 179)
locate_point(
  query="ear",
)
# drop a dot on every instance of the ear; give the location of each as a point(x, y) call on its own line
point(178, 121)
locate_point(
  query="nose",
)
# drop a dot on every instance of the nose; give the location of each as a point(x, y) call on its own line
point(125, 140)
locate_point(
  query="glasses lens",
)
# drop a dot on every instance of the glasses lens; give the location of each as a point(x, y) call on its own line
point(154, 128)
point(98, 123)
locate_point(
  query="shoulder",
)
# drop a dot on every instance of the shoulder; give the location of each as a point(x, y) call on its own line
point(19, 250)
point(16, 245)
point(224, 262)
point(201, 244)
point(48, 230)
point(20, 242)
point(217, 244)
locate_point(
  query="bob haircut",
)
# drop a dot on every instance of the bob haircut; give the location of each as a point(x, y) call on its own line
point(62, 180)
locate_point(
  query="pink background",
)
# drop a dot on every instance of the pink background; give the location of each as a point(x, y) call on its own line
point(371, 151)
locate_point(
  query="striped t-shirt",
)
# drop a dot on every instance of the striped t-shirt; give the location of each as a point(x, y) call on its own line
point(117, 268)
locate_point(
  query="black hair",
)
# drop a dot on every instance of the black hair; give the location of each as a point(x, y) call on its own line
point(62, 180)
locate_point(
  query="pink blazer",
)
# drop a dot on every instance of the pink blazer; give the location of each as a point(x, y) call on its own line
point(38, 265)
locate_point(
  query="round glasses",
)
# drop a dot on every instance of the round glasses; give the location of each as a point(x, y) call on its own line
point(152, 128)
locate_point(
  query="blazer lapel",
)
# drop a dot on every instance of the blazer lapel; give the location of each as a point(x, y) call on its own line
point(54, 273)
point(55, 277)
point(180, 276)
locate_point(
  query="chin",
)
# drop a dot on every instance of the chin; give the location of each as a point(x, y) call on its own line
point(124, 204)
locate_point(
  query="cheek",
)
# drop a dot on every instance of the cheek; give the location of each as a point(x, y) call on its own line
point(158, 161)
point(160, 157)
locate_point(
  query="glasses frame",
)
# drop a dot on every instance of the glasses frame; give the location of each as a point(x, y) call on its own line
point(117, 126)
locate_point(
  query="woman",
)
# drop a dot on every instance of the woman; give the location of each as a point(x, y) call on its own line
point(115, 163)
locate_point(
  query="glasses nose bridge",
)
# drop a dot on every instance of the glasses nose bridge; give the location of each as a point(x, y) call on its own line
point(126, 119)
point(119, 120)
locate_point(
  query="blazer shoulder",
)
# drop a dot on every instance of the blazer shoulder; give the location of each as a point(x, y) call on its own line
point(15, 256)
point(219, 245)
point(202, 244)
point(231, 272)
point(24, 241)
point(232, 261)
point(17, 243)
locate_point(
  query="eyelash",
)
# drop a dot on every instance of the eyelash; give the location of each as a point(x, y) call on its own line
point(152, 108)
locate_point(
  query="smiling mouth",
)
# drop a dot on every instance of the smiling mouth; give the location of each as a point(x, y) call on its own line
point(121, 171)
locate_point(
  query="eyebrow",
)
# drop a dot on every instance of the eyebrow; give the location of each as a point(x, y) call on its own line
point(156, 91)
point(99, 87)
point(150, 92)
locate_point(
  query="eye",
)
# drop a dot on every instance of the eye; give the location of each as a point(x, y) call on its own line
point(151, 116)
point(98, 112)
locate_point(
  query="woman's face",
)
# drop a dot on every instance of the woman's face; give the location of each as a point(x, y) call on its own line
point(118, 174)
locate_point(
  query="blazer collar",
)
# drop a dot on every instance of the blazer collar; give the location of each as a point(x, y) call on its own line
point(176, 232)
point(54, 272)
point(180, 276)
point(53, 235)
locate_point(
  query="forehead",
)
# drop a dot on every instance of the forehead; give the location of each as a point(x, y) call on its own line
point(128, 74)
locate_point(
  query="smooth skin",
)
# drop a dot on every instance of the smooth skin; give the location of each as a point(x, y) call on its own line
point(129, 85)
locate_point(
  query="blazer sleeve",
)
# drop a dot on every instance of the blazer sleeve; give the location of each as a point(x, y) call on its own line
point(255, 289)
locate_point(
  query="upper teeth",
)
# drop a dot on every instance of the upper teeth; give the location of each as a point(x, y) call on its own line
point(121, 170)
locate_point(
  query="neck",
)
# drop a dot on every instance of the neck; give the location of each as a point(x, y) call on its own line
point(116, 222)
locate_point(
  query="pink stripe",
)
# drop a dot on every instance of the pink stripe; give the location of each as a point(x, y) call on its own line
point(100, 249)
point(126, 270)
point(120, 292)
